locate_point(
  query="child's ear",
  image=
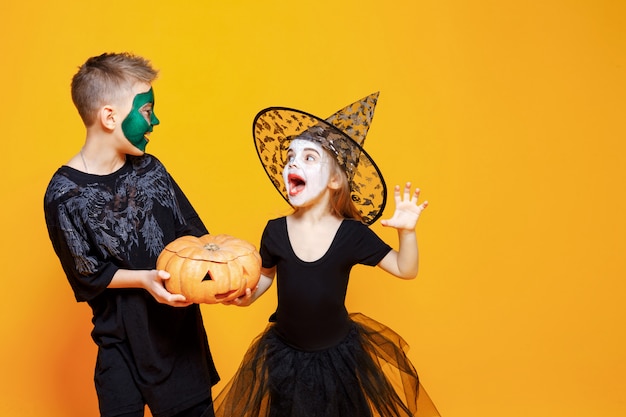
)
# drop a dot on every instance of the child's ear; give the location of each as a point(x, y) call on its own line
point(107, 117)
point(334, 183)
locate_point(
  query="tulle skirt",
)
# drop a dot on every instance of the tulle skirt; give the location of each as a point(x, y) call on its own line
point(366, 375)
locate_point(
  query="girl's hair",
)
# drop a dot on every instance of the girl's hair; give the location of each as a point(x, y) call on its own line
point(105, 78)
point(341, 197)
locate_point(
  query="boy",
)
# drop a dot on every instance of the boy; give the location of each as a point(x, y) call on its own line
point(110, 211)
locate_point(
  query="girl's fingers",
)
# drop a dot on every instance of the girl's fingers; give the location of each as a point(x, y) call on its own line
point(396, 193)
point(407, 191)
point(416, 195)
point(407, 196)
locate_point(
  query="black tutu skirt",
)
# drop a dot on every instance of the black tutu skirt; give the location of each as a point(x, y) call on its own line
point(366, 375)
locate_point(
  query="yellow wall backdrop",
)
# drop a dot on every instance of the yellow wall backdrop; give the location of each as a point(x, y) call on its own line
point(508, 114)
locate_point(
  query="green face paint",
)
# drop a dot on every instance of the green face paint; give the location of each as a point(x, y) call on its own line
point(135, 125)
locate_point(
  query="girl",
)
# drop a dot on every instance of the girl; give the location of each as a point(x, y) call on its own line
point(315, 359)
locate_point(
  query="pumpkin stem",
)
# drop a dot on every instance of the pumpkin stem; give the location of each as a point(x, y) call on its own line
point(211, 247)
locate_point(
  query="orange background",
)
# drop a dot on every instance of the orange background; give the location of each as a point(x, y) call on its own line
point(508, 114)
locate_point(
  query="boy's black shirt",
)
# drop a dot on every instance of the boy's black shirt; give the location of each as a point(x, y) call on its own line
point(99, 224)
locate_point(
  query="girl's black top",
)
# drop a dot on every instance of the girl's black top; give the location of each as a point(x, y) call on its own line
point(311, 314)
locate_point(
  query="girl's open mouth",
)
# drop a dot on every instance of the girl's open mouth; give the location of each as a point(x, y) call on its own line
point(295, 184)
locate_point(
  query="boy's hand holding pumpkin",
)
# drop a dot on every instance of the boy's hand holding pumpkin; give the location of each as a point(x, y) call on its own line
point(155, 285)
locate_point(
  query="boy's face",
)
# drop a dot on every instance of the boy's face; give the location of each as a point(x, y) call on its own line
point(306, 173)
point(140, 120)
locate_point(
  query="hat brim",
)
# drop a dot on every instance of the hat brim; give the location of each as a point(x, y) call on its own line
point(275, 127)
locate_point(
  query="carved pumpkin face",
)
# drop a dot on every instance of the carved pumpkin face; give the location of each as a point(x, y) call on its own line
point(210, 269)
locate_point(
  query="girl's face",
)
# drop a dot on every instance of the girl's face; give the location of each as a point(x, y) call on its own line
point(306, 173)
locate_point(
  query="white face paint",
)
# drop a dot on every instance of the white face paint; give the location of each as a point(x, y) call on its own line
point(306, 173)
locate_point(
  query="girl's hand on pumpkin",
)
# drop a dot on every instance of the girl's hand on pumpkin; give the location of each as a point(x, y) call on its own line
point(243, 301)
point(265, 281)
point(156, 287)
point(407, 210)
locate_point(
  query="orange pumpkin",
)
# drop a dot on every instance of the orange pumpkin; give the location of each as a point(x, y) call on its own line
point(210, 269)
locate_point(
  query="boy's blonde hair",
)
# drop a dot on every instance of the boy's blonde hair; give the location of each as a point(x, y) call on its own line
point(103, 79)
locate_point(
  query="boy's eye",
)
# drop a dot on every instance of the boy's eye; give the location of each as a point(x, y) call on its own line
point(146, 110)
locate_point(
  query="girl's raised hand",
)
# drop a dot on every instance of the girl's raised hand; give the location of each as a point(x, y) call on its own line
point(407, 210)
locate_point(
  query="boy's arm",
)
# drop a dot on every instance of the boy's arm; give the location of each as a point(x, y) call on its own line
point(193, 224)
point(150, 280)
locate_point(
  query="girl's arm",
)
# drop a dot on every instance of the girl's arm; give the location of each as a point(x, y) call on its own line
point(267, 277)
point(404, 263)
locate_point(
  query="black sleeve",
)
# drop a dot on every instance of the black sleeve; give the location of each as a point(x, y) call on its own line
point(370, 249)
point(269, 246)
point(87, 274)
point(193, 224)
